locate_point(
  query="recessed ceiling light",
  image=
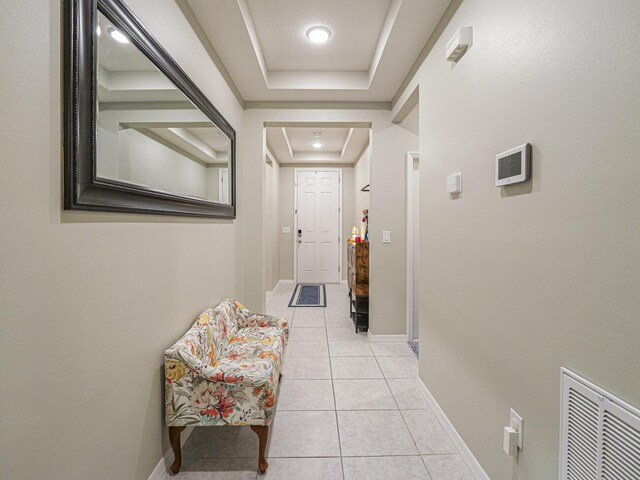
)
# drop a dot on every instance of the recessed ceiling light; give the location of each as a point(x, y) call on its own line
point(317, 144)
point(318, 34)
point(317, 134)
point(118, 35)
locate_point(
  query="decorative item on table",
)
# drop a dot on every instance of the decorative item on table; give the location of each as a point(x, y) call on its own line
point(365, 225)
point(355, 236)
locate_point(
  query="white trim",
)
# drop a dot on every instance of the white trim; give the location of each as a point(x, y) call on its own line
point(410, 158)
point(295, 216)
point(386, 338)
point(344, 281)
point(311, 105)
point(280, 282)
point(220, 180)
point(161, 472)
point(474, 466)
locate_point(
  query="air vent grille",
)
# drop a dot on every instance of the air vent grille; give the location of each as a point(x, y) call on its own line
point(620, 449)
point(582, 437)
point(600, 433)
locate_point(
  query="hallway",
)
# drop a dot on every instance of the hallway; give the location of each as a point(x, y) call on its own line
point(347, 409)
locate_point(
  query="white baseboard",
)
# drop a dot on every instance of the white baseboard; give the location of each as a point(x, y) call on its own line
point(386, 338)
point(278, 283)
point(161, 472)
point(287, 281)
point(344, 281)
point(474, 466)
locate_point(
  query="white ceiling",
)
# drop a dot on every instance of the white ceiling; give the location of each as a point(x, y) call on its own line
point(281, 26)
point(212, 136)
point(341, 146)
point(125, 74)
point(263, 47)
point(119, 57)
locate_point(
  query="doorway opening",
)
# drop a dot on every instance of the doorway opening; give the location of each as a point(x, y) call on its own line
point(310, 188)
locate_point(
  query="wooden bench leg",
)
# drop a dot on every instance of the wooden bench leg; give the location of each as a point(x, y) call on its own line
point(263, 436)
point(174, 440)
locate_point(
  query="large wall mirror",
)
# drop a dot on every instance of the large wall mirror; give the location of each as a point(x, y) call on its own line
point(139, 135)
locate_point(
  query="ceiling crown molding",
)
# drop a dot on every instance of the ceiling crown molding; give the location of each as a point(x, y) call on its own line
point(318, 80)
point(204, 40)
point(320, 105)
point(433, 38)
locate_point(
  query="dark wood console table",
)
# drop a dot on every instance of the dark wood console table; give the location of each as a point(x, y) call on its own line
point(358, 280)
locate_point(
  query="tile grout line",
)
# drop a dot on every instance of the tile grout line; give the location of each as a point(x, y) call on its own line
point(386, 380)
point(333, 390)
point(396, 408)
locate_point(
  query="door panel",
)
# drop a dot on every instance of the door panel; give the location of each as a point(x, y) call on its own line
point(318, 218)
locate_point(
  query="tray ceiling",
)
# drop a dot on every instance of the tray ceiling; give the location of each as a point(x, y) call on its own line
point(342, 146)
point(262, 46)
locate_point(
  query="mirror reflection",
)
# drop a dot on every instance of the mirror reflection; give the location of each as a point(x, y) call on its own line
point(148, 132)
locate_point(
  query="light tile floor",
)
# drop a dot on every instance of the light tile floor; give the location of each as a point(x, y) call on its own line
point(348, 409)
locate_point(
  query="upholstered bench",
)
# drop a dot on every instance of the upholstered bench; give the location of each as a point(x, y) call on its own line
point(225, 372)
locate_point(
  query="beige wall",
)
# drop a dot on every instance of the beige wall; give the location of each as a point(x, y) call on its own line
point(268, 221)
point(348, 196)
point(271, 222)
point(361, 179)
point(519, 281)
point(286, 206)
point(89, 301)
point(286, 240)
point(387, 262)
point(275, 226)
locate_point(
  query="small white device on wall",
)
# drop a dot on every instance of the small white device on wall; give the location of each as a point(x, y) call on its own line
point(513, 166)
point(459, 44)
point(454, 183)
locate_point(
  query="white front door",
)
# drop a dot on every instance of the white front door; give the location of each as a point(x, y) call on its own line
point(318, 234)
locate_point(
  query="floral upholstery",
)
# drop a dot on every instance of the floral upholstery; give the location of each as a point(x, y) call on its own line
point(225, 369)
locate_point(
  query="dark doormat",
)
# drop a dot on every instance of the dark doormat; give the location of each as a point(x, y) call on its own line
point(307, 295)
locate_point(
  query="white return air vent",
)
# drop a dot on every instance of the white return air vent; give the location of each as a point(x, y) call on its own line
point(600, 433)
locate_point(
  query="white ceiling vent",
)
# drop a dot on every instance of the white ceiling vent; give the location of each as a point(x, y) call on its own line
point(459, 44)
point(600, 433)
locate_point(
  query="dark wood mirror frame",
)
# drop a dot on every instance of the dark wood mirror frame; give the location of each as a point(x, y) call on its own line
point(83, 189)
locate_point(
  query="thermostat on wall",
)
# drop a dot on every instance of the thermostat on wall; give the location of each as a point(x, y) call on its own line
point(513, 166)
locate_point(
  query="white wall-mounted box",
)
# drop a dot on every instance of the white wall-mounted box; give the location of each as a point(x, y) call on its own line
point(454, 183)
point(459, 44)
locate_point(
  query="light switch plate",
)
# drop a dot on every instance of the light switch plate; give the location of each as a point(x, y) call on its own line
point(454, 183)
point(386, 236)
point(286, 229)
